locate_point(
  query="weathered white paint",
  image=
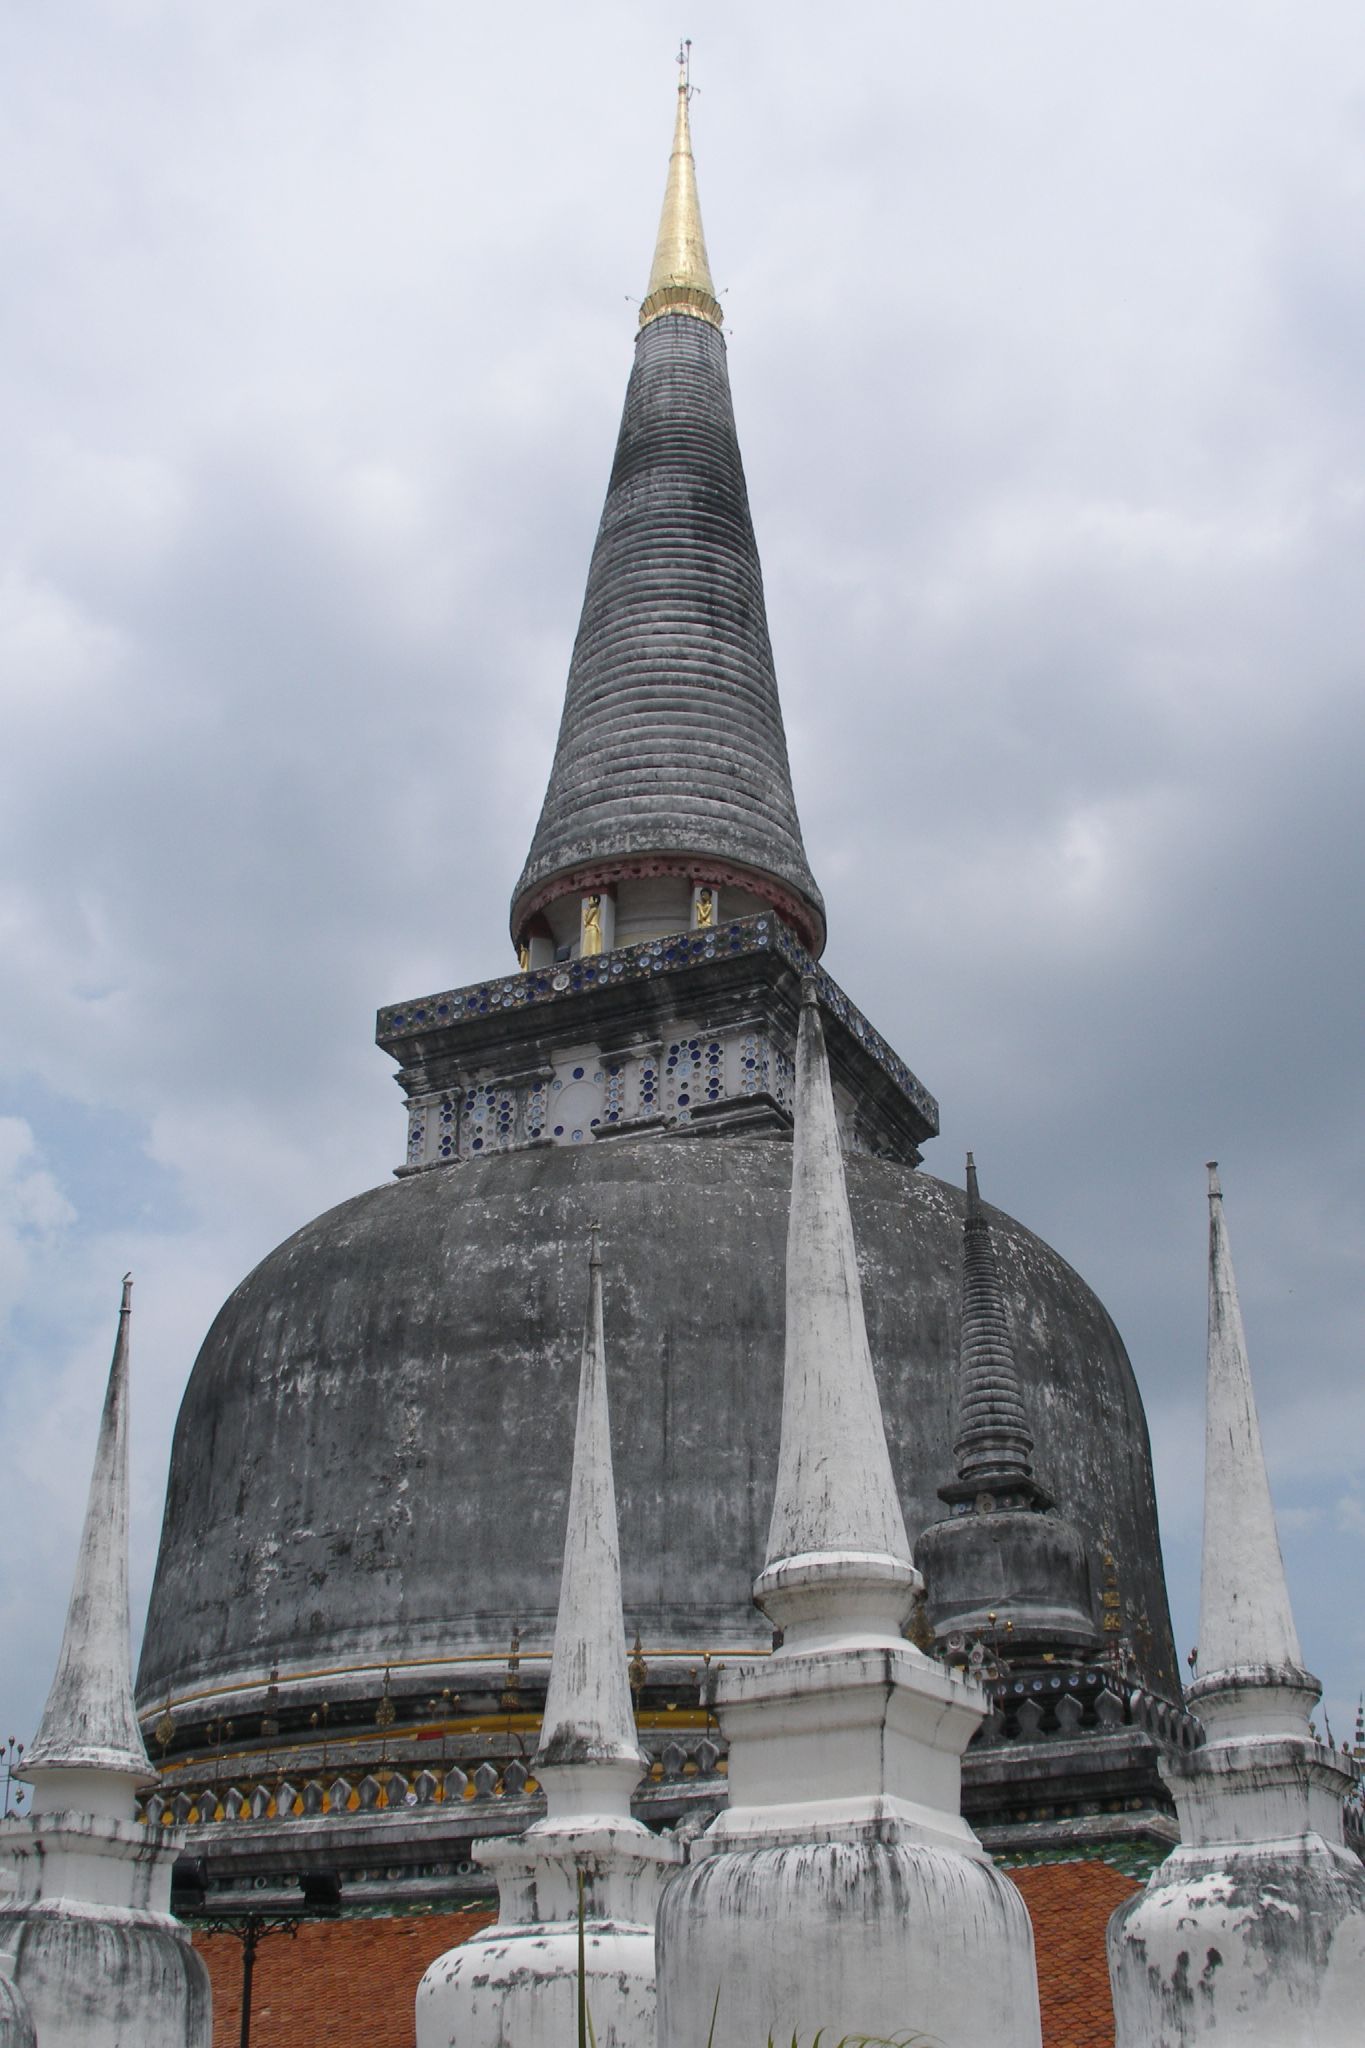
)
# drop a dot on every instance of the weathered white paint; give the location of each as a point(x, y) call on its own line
point(86, 1932)
point(836, 1513)
point(1252, 1933)
point(517, 1982)
point(589, 1720)
point(1245, 1619)
point(89, 1719)
point(16, 2021)
point(841, 1889)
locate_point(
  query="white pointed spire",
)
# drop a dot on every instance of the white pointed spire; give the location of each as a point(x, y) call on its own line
point(588, 1736)
point(578, 1891)
point(1261, 1884)
point(1247, 1636)
point(838, 1554)
point(89, 1723)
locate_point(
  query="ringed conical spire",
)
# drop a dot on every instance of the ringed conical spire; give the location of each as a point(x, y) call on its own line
point(680, 275)
point(1247, 1636)
point(670, 769)
point(89, 1722)
point(994, 1445)
point(589, 1719)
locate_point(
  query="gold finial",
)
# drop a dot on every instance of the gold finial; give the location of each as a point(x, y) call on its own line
point(680, 278)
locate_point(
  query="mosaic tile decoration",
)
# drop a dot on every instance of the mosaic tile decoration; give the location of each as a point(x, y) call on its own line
point(675, 955)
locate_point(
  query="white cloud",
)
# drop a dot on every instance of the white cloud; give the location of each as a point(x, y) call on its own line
point(1350, 1514)
point(33, 1211)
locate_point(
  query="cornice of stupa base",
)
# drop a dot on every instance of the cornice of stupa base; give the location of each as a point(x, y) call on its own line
point(1247, 1791)
point(879, 1821)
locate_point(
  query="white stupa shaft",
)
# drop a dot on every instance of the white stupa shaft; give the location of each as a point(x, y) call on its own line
point(835, 1488)
point(589, 1721)
point(1245, 1619)
point(1251, 1934)
point(578, 1891)
point(89, 1721)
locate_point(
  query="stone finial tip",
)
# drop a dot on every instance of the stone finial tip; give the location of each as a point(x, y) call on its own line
point(1215, 1187)
point(594, 1243)
point(973, 1191)
point(125, 1304)
point(810, 993)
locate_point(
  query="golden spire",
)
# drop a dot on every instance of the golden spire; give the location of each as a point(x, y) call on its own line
point(680, 278)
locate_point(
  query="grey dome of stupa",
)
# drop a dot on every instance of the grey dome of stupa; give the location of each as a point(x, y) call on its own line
point(373, 1456)
point(365, 1513)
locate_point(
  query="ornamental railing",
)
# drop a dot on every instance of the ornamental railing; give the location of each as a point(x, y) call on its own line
point(384, 1788)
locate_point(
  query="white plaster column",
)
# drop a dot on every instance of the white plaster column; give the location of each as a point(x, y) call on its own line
point(1252, 1933)
point(86, 1933)
point(841, 1889)
point(517, 1982)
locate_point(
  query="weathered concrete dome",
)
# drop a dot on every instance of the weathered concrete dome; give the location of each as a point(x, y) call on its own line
point(373, 1453)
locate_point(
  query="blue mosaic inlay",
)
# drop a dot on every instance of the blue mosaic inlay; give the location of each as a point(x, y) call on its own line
point(638, 963)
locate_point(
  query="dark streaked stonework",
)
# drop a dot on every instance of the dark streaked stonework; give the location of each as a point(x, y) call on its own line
point(672, 739)
point(371, 1459)
point(1006, 1567)
point(345, 1656)
point(692, 1032)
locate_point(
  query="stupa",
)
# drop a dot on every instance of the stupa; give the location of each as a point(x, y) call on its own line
point(841, 1891)
point(333, 1674)
point(578, 1892)
point(86, 1934)
point(1252, 1933)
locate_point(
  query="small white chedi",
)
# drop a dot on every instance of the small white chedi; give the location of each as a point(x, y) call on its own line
point(1252, 1933)
point(518, 1981)
point(86, 1933)
point(841, 1889)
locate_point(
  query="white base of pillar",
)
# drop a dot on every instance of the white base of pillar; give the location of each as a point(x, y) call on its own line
point(101, 1977)
point(520, 1985)
point(1251, 1946)
point(16, 2021)
point(516, 1985)
point(86, 1936)
point(878, 1937)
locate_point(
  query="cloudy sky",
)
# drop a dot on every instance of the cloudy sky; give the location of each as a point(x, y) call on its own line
point(1046, 330)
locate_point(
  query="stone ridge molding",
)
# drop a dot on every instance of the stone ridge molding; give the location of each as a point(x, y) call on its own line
point(405, 1029)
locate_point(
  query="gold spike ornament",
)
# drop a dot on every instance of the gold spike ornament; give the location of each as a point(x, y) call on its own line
point(680, 279)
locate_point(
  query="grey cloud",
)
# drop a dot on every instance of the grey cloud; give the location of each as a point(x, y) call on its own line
point(1043, 346)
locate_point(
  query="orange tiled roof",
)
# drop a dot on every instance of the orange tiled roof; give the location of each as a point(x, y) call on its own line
point(352, 1983)
point(1070, 1905)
